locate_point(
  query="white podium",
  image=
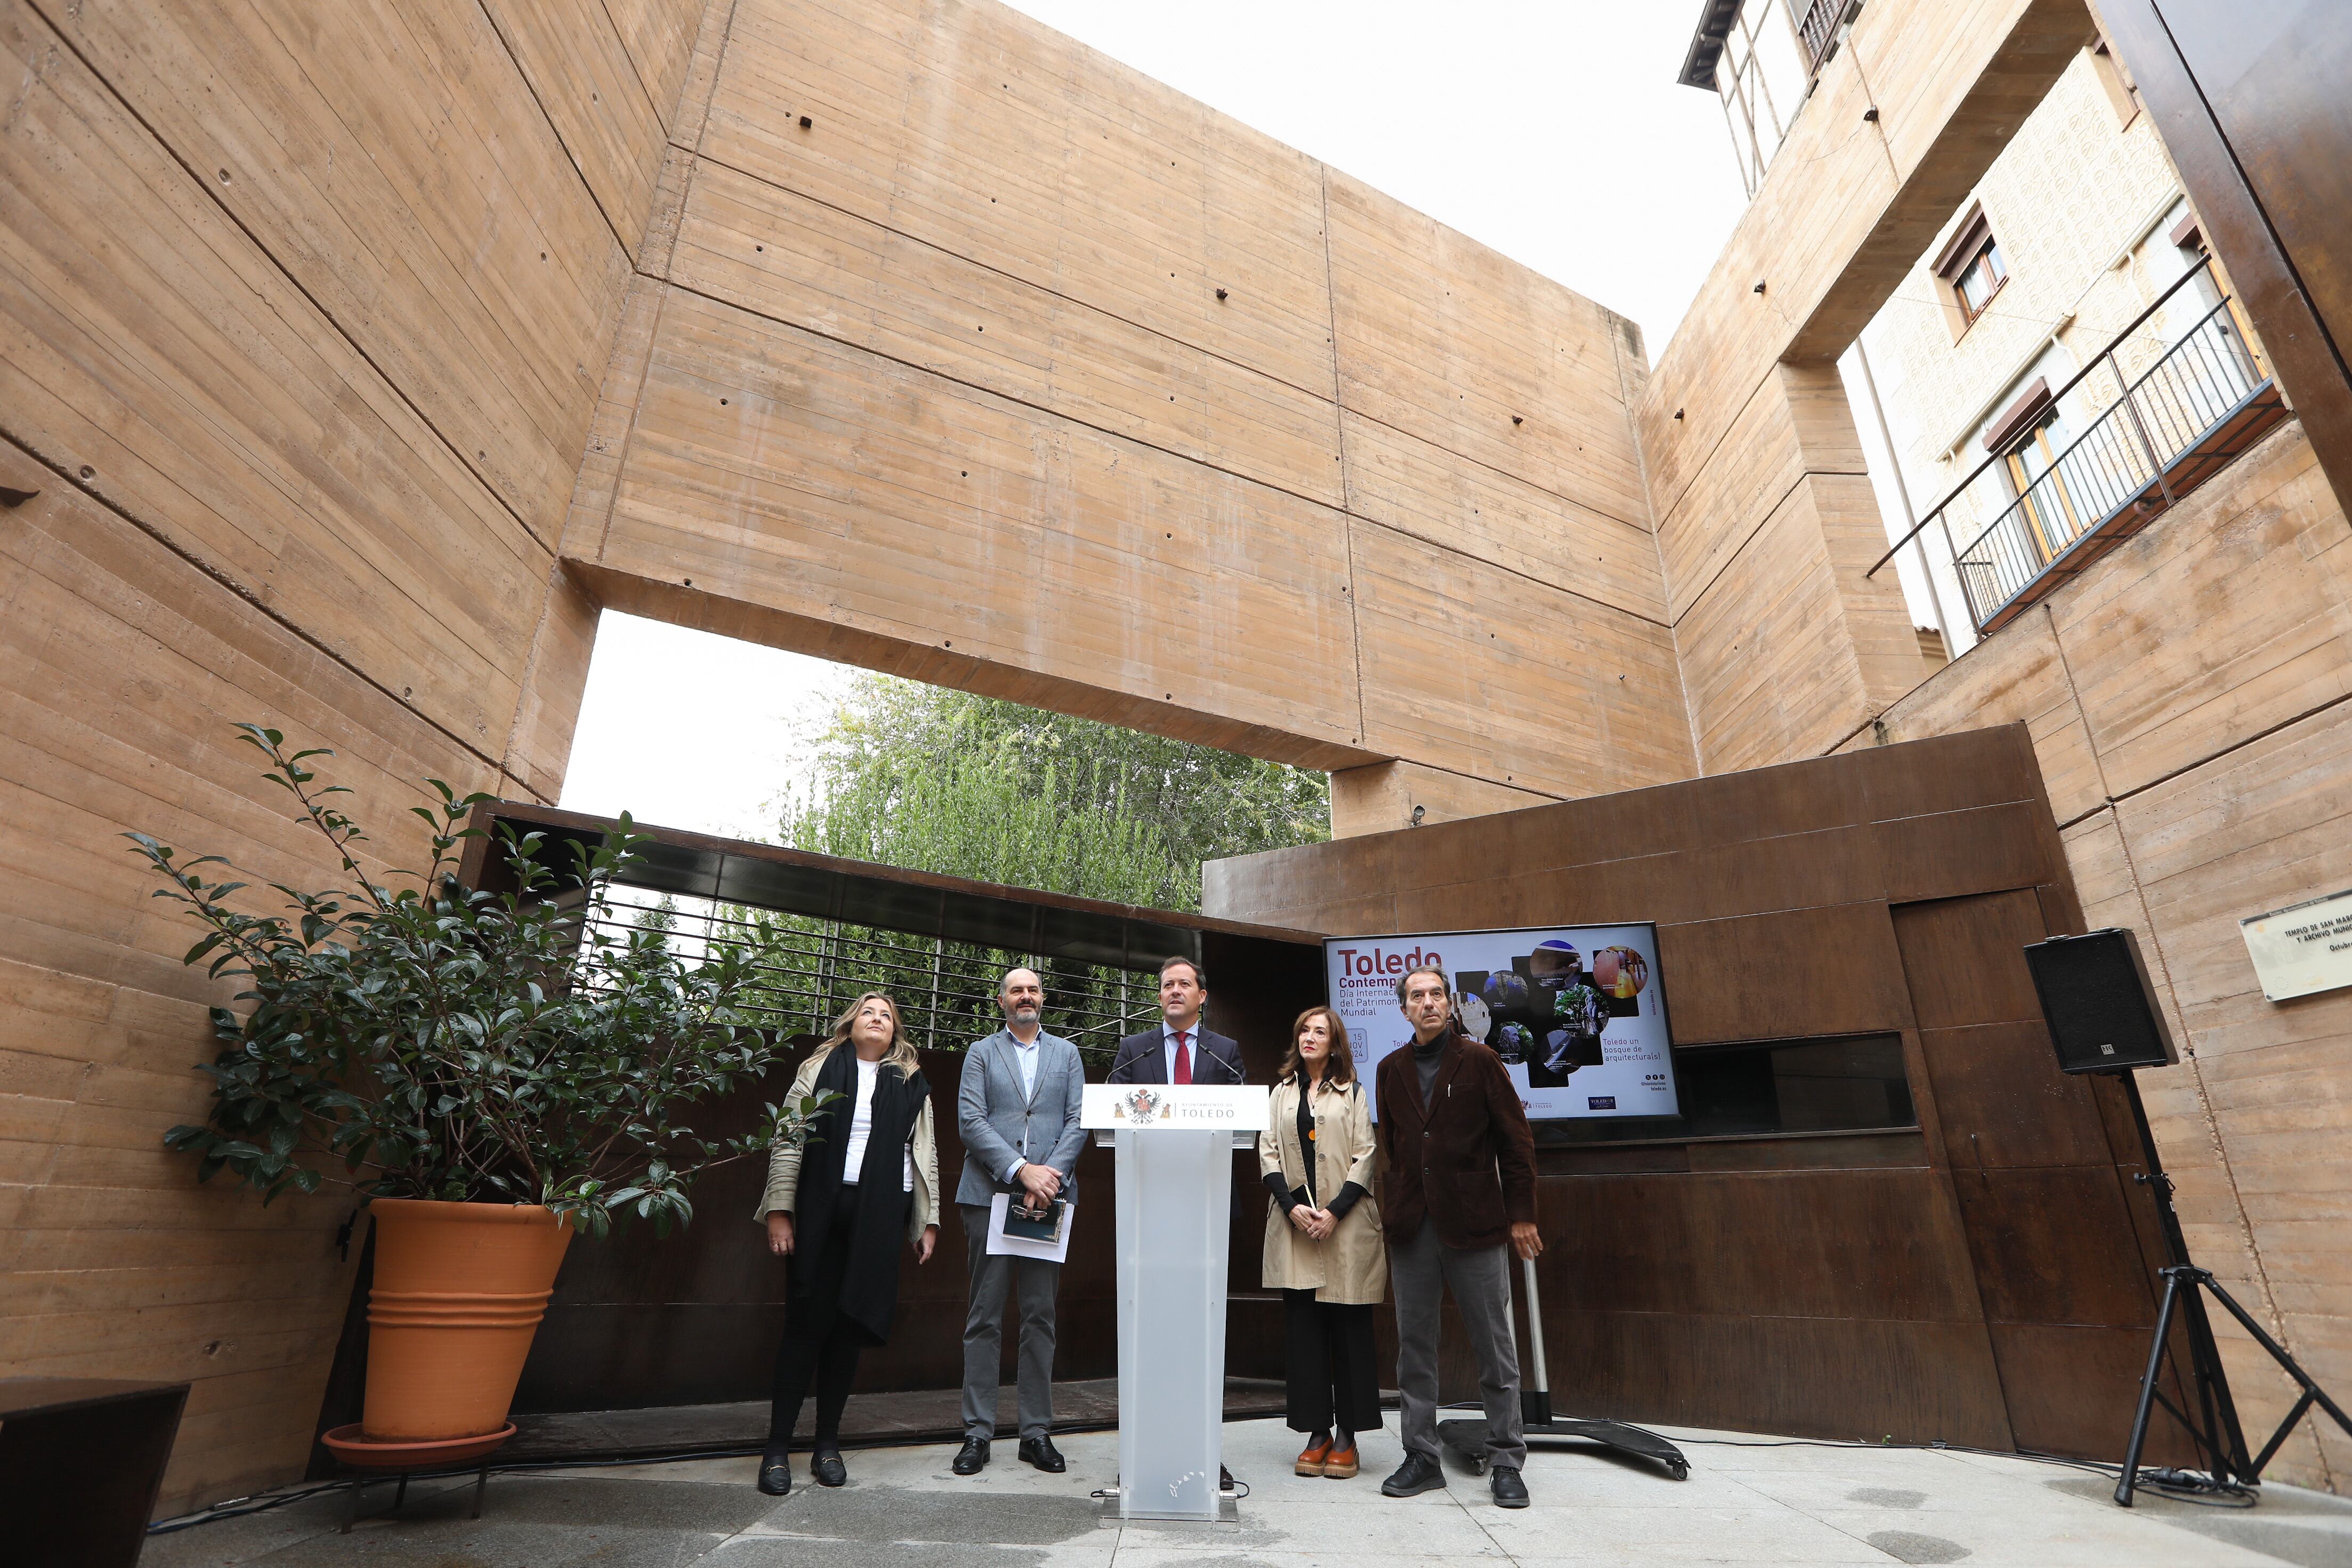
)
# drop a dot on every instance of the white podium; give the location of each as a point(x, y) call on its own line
point(1175, 1223)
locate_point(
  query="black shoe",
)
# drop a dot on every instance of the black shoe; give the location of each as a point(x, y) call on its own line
point(776, 1472)
point(827, 1466)
point(973, 1457)
point(1041, 1452)
point(1509, 1491)
point(1418, 1474)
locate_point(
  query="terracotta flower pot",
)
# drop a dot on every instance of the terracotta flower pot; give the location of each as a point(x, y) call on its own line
point(459, 1291)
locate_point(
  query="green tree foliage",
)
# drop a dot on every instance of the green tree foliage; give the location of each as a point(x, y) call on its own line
point(435, 1042)
point(942, 780)
point(935, 780)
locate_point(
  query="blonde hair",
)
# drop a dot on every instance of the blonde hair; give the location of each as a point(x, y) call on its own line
point(901, 1054)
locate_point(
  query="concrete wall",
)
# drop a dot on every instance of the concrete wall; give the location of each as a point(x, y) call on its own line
point(355, 354)
point(305, 312)
point(964, 352)
point(1765, 514)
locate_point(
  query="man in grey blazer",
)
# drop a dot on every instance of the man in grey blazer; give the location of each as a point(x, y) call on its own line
point(1017, 1109)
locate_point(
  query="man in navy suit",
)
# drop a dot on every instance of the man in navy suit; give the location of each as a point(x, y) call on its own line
point(1178, 1050)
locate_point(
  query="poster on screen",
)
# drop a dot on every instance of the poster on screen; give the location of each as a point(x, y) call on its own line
point(1577, 1013)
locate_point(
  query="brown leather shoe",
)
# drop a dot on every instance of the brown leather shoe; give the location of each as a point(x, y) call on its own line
point(1341, 1464)
point(1310, 1459)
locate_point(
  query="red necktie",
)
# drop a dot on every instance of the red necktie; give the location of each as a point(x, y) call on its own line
point(1184, 1058)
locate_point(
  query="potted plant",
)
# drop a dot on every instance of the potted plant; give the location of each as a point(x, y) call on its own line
point(493, 1072)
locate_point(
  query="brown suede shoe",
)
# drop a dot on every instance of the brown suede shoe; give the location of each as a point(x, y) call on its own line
point(1341, 1464)
point(1310, 1459)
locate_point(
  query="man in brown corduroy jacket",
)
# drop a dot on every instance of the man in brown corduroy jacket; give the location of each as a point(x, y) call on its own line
point(1459, 1184)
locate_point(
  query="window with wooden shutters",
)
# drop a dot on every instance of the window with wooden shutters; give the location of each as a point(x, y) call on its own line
point(1972, 266)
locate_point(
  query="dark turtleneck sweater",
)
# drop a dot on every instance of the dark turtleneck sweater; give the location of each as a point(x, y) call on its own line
point(1424, 1058)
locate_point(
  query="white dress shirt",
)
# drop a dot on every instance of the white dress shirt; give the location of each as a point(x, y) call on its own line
point(1024, 1055)
point(1192, 1044)
point(861, 1125)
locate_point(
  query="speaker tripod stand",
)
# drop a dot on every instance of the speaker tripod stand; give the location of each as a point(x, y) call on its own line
point(2214, 1427)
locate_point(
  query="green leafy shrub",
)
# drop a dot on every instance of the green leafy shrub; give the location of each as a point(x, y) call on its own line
point(437, 1041)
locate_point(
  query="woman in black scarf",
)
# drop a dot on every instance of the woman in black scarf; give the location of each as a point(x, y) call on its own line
point(871, 1171)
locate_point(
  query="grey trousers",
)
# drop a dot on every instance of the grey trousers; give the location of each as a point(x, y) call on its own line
point(1420, 1271)
point(983, 1332)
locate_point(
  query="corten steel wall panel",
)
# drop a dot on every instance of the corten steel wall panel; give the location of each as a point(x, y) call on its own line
point(638, 1321)
point(1841, 1284)
point(2058, 1258)
point(307, 310)
point(1805, 1284)
point(1748, 978)
point(988, 422)
point(1918, 1382)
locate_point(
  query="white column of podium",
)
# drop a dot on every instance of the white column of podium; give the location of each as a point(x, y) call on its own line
point(1175, 1178)
point(1175, 1192)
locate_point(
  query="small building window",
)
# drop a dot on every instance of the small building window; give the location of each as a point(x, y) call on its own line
point(2122, 94)
point(1972, 266)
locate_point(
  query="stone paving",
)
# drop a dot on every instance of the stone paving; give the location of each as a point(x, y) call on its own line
point(1747, 1500)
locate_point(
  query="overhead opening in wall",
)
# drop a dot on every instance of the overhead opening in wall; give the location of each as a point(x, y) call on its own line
point(709, 740)
point(691, 730)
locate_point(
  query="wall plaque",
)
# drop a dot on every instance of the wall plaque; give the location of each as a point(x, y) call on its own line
point(2303, 948)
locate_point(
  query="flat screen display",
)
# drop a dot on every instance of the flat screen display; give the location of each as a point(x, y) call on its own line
point(1577, 1013)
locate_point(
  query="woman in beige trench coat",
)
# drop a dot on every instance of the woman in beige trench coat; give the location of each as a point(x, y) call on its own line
point(1323, 1245)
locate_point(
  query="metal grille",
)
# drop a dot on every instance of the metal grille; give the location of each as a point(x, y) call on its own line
point(811, 969)
point(1818, 30)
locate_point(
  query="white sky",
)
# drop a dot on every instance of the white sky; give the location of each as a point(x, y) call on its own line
point(1553, 129)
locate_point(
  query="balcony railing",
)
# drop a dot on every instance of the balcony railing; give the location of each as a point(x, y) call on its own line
point(2176, 402)
point(1817, 29)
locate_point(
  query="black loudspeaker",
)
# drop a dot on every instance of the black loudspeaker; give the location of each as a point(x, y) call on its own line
point(2094, 994)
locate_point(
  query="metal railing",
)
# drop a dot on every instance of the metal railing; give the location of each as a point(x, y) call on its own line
point(809, 970)
point(2163, 397)
point(1818, 29)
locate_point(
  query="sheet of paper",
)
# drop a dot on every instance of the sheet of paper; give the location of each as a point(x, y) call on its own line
point(1001, 1244)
